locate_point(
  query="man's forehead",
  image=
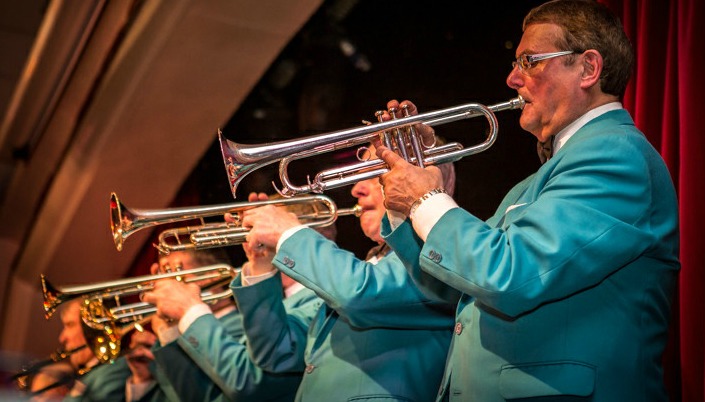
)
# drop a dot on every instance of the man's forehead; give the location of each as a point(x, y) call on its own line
point(176, 258)
point(539, 38)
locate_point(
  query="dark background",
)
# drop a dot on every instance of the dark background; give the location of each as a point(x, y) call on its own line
point(437, 54)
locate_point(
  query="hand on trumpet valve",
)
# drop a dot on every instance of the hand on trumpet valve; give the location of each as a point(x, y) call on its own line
point(266, 224)
point(405, 183)
point(408, 108)
point(173, 298)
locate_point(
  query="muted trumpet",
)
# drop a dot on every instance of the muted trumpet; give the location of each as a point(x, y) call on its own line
point(125, 221)
point(396, 134)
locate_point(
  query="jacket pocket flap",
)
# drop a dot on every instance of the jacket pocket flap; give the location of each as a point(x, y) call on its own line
point(546, 379)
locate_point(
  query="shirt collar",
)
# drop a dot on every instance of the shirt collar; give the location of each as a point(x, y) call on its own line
point(564, 135)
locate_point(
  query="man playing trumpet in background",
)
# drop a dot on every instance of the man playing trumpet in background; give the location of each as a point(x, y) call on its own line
point(94, 381)
point(201, 351)
point(376, 336)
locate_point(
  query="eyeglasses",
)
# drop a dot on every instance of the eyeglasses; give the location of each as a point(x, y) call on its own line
point(526, 62)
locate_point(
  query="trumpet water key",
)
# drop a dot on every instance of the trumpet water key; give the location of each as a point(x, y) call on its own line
point(396, 134)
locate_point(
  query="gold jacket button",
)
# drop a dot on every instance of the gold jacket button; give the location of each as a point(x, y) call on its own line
point(458, 328)
point(310, 368)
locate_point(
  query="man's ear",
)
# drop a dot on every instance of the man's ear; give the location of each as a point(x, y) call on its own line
point(591, 61)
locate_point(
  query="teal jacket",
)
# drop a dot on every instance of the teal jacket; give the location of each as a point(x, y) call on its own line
point(209, 362)
point(568, 287)
point(376, 337)
point(105, 382)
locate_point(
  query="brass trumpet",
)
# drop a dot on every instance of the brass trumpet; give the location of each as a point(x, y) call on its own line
point(397, 134)
point(105, 326)
point(124, 221)
point(22, 377)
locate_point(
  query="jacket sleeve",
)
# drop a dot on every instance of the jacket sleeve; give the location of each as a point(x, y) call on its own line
point(208, 362)
point(276, 337)
point(367, 295)
point(407, 245)
point(105, 382)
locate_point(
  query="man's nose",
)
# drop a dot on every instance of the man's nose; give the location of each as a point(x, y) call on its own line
point(515, 78)
point(359, 189)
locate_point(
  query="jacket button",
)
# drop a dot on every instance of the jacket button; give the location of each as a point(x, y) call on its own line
point(458, 328)
point(435, 256)
point(310, 368)
point(288, 262)
point(193, 341)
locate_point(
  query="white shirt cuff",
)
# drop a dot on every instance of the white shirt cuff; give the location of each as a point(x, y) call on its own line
point(396, 218)
point(168, 335)
point(429, 212)
point(248, 280)
point(192, 314)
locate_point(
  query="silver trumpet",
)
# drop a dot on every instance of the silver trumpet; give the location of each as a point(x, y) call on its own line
point(396, 134)
point(321, 211)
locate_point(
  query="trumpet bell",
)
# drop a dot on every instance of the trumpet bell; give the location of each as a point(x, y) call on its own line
point(119, 222)
point(52, 297)
point(105, 338)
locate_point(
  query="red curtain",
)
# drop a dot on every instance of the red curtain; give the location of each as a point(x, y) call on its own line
point(665, 100)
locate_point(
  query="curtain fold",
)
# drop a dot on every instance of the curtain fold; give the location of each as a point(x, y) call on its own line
point(665, 100)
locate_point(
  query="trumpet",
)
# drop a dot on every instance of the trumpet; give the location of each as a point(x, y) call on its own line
point(396, 134)
point(124, 221)
point(104, 326)
point(23, 375)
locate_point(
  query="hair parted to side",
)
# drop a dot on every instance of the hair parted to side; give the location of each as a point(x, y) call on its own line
point(587, 24)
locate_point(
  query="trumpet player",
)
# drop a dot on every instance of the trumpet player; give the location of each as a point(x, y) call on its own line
point(376, 335)
point(142, 374)
point(567, 288)
point(72, 337)
point(205, 344)
point(93, 381)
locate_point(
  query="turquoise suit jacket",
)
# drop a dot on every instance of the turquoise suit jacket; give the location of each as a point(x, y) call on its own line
point(568, 287)
point(209, 362)
point(376, 337)
point(105, 382)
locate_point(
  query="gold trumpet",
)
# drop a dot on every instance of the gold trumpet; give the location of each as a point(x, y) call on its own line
point(124, 221)
point(396, 134)
point(105, 326)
